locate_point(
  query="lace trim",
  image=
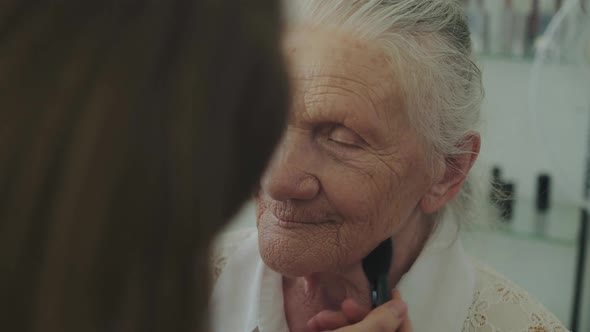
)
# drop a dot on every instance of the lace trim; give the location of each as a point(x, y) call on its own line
point(501, 305)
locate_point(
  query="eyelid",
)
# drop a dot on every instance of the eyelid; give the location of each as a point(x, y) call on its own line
point(343, 135)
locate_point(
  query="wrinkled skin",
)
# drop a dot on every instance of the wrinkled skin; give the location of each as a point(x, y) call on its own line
point(349, 164)
point(349, 172)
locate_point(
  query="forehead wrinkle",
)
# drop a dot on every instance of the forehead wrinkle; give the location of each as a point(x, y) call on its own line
point(316, 85)
point(320, 94)
point(319, 105)
point(346, 67)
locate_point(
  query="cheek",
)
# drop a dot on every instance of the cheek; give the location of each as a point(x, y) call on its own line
point(363, 199)
point(373, 202)
point(404, 199)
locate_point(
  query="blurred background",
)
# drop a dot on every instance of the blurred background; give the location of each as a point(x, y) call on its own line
point(535, 159)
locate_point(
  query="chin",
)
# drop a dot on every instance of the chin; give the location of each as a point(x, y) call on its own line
point(292, 254)
point(292, 266)
point(289, 268)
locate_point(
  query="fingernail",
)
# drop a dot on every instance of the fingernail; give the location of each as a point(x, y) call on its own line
point(397, 307)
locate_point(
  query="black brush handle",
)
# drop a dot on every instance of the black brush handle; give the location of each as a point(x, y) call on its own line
point(376, 267)
point(381, 291)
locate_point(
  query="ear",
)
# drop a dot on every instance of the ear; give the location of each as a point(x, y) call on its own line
point(455, 170)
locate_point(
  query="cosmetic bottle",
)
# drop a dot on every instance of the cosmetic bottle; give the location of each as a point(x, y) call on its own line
point(520, 10)
point(532, 28)
point(478, 19)
point(496, 186)
point(507, 28)
point(542, 203)
point(506, 204)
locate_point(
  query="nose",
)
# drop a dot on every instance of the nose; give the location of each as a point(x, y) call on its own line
point(289, 175)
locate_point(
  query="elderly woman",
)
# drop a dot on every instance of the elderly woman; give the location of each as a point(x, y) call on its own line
point(379, 144)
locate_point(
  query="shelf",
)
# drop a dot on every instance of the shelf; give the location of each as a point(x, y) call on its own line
point(561, 225)
point(528, 60)
point(504, 57)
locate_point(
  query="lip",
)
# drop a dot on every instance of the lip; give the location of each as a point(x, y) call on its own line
point(294, 224)
point(300, 222)
point(289, 223)
point(290, 220)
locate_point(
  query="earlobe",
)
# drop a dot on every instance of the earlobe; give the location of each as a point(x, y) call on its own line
point(456, 168)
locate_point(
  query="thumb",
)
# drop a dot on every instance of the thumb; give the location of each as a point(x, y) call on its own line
point(388, 317)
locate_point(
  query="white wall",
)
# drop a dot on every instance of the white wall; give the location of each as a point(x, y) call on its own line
point(549, 137)
point(524, 138)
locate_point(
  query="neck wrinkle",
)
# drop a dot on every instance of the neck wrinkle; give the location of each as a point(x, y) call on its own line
point(407, 246)
point(306, 296)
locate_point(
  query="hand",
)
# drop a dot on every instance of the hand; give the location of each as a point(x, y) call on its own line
point(390, 317)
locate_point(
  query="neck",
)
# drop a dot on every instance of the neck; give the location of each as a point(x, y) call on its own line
point(308, 295)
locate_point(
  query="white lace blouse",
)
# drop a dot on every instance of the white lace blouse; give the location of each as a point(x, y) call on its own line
point(445, 291)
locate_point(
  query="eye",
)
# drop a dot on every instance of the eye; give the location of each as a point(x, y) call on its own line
point(345, 137)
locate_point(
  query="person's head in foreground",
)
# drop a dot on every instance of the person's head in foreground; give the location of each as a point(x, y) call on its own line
point(379, 144)
point(129, 132)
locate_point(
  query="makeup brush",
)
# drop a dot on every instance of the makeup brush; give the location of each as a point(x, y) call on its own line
point(376, 266)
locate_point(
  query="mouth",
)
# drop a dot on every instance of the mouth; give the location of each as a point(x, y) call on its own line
point(290, 222)
point(288, 215)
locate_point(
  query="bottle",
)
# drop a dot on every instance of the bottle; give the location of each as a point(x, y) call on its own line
point(519, 29)
point(507, 203)
point(547, 10)
point(486, 26)
point(556, 47)
point(542, 203)
point(532, 28)
point(496, 186)
point(507, 28)
point(477, 17)
point(558, 4)
point(551, 46)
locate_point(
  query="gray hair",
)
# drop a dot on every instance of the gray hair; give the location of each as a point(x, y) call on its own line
point(428, 43)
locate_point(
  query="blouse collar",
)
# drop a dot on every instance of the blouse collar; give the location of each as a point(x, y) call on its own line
point(438, 288)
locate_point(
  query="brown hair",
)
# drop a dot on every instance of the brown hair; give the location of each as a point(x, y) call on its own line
point(129, 132)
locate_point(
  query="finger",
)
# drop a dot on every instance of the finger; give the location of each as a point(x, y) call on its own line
point(327, 320)
point(388, 317)
point(406, 325)
point(354, 312)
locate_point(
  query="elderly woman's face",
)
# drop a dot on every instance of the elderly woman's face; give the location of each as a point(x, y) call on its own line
point(349, 171)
